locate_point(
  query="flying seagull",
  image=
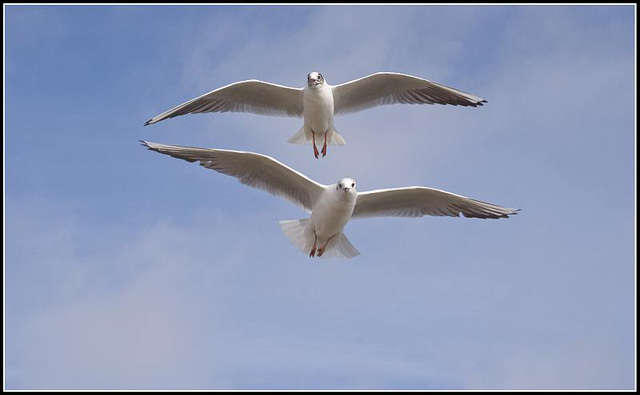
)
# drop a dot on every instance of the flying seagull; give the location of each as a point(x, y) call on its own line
point(330, 206)
point(318, 102)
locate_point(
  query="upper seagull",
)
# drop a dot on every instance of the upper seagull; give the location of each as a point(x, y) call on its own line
point(318, 102)
point(331, 206)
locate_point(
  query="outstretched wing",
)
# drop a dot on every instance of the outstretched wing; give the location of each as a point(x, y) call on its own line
point(420, 201)
point(390, 88)
point(253, 96)
point(254, 170)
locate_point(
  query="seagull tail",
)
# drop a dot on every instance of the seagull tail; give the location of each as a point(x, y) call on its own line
point(305, 137)
point(339, 247)
point(337, 139)
point(299, 138)
point(294, 230)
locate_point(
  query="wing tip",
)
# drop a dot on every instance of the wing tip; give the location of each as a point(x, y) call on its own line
point(496, 213)
point(149, 122)
point(149, 145)
point(477, 103)
point(514, 211)
point(469, 103)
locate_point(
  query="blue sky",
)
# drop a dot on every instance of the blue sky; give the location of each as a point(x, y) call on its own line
point(128, 269)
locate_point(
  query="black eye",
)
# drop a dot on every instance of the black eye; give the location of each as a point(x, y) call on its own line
point(353, 185)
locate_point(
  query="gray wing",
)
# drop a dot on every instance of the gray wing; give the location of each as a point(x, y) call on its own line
point(252, 96)
point(254, 170)
point(420, 201)
point(391, 88)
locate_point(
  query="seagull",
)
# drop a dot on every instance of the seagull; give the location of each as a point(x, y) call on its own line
point(318, 102)
point(330, 206)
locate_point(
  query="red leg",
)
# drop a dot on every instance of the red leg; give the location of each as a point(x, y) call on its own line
point(315, 246)
point(324, 147)
point(315, 149)
point(321, 249)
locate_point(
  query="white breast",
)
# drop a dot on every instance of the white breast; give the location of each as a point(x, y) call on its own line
point(331, 213)
point(318, 108)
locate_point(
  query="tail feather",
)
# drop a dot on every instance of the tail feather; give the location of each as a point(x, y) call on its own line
point(339, 246)
point(299, 138)
point(304, 137)
point(337, 138)
point(294, 230)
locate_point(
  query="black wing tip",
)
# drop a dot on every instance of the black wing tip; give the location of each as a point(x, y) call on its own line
point(491, 216)
point(464, 103)
point(167, 150)
point(508, 215)
point(479, 103)
point(148, 122)
point(146, 144)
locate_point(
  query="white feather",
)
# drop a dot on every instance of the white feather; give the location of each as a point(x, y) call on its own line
point(255, 170)
point(390, 88)
point(340, 247)
point(252, 96)
point(420, 201)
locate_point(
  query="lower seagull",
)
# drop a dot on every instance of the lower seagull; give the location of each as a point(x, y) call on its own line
point(330, 206)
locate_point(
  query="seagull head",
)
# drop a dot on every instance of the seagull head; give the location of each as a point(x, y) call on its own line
point(347, 186)
point(314, 79)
